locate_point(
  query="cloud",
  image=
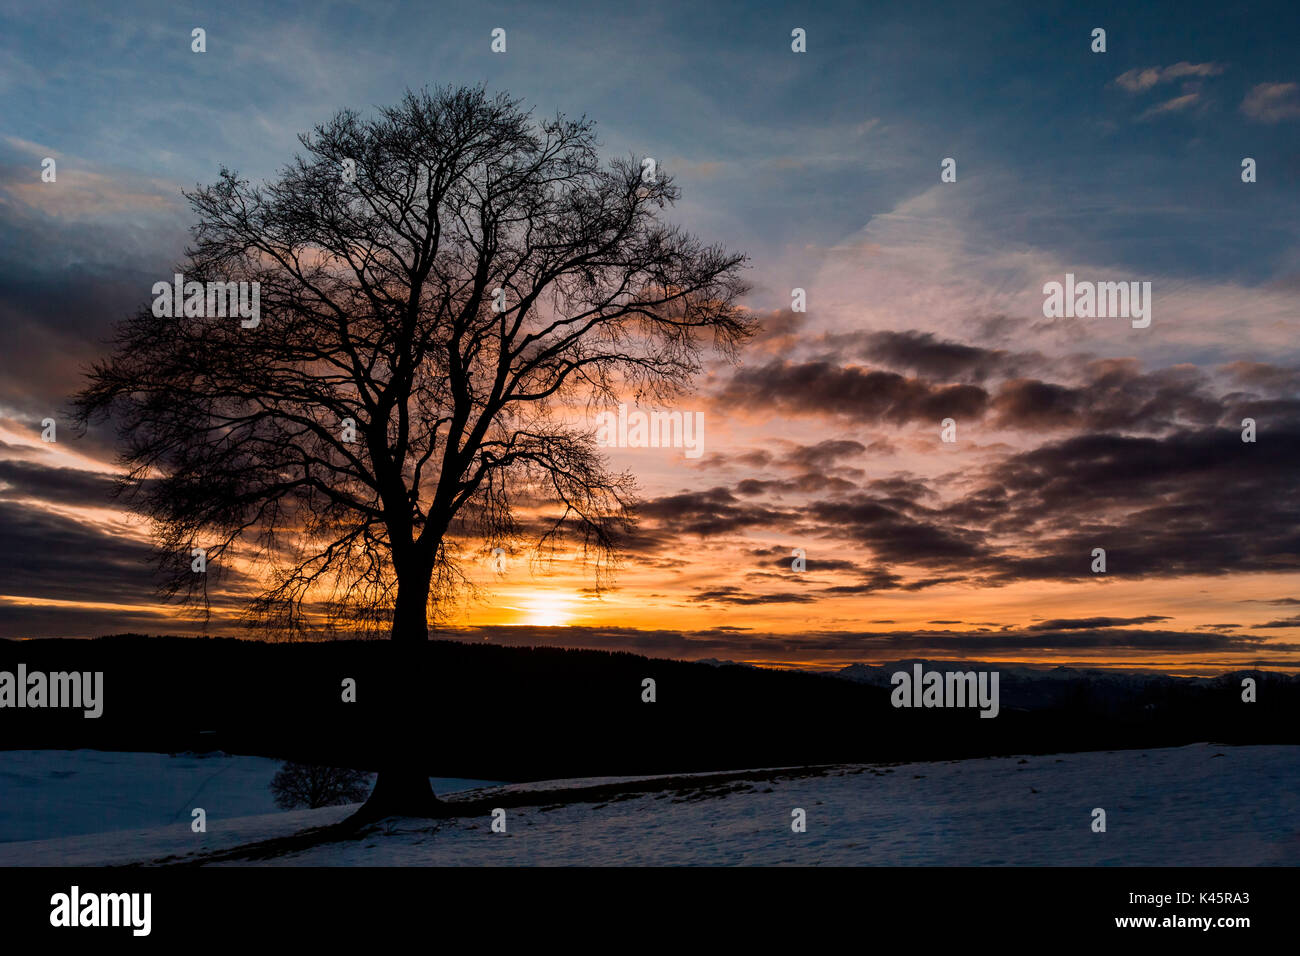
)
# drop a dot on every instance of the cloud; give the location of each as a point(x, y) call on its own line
point(1193, 502)
point(53, 556)
point(1137, 81)
point(942, 359)
point(26, 479)
point(784, 556)
point(716, 511)
point(864, 394)
point(1272, 102)
point(1155, 502)
point(806, 483)
point(1116, 395)
point(1175, 105)
point(1092, 623)
point(896, 537)
point(75, 255)
point(1282, 623)
point(778, 332)
point(30, 620)
point(742, 598)
point(819, 465)
point(839, 647)
point(1271, 378)
point(823, 453)
point(1033, 404)
point(1098, 395)
point(50, 556)
point(959, 264)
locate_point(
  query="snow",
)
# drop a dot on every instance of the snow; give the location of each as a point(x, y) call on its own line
point(177, 841)
point(46, 794)
point(1200, 805)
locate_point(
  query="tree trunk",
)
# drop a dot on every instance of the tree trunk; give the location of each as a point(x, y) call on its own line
point(402, 788)
point(411, 609)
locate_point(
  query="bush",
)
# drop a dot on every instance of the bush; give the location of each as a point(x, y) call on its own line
point(298, 785)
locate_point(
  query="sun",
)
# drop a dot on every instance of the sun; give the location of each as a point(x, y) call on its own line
point(545, 609)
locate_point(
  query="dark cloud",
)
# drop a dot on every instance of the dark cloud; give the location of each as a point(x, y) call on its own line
point(1192, 502)
point(836, 647)
point(778, 332)
point(19, 620)
point(809, 483)
point(51, 556)
point(871, 581)
point(895, 537)
point(819, 471)
point(1111, 395)
point(1268, 379)
point(1117, 396)
point(953, 380)
point(72, 262)
point(48, 555)
point(784, 557)
point(944, 360)
point(1269, 414)
point(866, 395)
point(1281, 623)
point(758, 458)
point(823, 454)
point(902, 491)
point(743, 598)
point(1091, 623)
point(716, 511)
point(1031, 404)
point(74, 486)
point(1195, 502)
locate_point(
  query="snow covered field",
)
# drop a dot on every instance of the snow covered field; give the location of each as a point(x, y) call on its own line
point(1198, 805)
point(58, 793)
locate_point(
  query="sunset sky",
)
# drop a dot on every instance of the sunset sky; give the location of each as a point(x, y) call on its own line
point(924, 301)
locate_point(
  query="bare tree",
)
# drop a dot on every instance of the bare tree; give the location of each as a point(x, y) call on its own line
point(448, 279)
point(306, 785)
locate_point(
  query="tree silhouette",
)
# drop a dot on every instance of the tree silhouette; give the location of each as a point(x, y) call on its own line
point(297, 785)
point(439, 285)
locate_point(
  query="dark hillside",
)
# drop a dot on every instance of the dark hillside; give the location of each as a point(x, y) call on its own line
point(534, 713)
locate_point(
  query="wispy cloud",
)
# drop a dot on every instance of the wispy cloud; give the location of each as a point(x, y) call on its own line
point(1272, 102)
point(1175, 105)
point(1137, 81)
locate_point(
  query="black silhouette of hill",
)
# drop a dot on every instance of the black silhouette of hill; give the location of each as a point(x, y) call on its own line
point(509, 713)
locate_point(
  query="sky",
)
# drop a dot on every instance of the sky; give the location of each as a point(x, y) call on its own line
point(924, 301)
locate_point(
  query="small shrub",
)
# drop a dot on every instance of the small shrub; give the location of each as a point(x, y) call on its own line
point(298, 785)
